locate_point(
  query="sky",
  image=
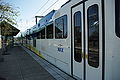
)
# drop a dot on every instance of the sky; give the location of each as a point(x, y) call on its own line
point(30, 8)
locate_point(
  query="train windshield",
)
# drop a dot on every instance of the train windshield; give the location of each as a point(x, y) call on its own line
point(117, 14)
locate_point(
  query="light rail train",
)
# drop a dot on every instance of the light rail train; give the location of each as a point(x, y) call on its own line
point(82, 39)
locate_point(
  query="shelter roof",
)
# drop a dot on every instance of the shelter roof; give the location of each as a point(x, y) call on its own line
point(7, 29)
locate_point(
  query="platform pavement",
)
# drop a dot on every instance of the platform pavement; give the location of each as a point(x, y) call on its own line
point(23, 64)
point(18, 65)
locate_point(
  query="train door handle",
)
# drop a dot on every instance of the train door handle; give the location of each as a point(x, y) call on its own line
point(60, 45)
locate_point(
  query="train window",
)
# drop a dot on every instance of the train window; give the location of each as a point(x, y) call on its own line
point(49, 31)
point(61, 27)
point(117, 14)
point(93, 36)
point(38, 35)
point(34, 42)
point(42, 33)
point(77, 37)
point(26, 40)
point(29, 37)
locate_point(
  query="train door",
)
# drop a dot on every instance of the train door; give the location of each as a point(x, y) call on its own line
point(77, 41)
point(87, 40)
point(93, 32)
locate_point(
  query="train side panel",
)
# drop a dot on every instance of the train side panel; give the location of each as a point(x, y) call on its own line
point(112, 56)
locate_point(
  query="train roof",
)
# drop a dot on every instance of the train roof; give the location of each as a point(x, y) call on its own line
point(66, 3)
point(46, 20)
point(65, 9)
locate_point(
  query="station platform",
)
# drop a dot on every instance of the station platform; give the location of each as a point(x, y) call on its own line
point(22, 64)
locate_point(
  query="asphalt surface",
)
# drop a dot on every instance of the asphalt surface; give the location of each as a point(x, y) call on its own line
point(18, 65)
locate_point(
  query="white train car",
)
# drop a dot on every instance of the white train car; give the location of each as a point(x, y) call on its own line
point(0, 41)
point(83, 39)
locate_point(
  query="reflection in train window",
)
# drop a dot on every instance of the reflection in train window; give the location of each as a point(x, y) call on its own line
point(117, 14)
point(61, 27)
point(93, 36)
point(49, 31)
point(42, 33)
point(77, 37)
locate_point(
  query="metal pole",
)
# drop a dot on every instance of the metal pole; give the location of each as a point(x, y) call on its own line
point(38, 17)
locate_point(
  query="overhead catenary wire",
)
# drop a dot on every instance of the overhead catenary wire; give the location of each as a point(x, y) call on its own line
point(40, 9)
point(42, 6)
point(45, 10)
point(50, 7)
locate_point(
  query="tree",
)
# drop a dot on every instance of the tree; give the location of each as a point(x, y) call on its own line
point(8, 13)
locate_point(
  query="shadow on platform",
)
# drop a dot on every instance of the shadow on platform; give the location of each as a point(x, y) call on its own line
point(19, 65)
